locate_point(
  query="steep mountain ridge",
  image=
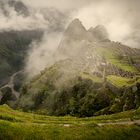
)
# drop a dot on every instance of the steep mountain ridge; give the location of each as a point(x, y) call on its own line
point(97, 76)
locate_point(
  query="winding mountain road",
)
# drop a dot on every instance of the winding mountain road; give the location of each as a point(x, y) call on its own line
point(11, 84)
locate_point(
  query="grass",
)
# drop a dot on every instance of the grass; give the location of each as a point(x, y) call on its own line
point(112, 58)
point(119, 117)
point(55, 132)
point(120, 82)
point(92, 77)
point(18, 125)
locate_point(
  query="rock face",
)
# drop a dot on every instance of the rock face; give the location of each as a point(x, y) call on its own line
point(75, 30)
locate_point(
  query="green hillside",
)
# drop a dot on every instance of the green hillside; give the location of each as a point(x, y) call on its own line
point(62, 90)
point(121, 82)
point(15, 125)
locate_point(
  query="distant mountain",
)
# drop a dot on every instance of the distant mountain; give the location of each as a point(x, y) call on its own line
point(96, 76)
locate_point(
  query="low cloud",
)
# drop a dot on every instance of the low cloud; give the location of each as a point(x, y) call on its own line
point(62, 5)
point(14, 17)
point(42, 53)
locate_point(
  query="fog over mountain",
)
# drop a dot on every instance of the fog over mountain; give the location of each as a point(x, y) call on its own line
point(69, 69)
point(120, 18)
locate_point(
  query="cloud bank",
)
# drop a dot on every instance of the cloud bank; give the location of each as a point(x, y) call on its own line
point(15, 15)
point(62, 5)
point(41, 54)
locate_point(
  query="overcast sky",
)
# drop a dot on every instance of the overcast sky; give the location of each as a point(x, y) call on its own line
point(60, 4)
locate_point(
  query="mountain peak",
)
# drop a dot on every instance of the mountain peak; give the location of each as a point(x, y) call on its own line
point(99, 32)
point(76, 22)
point(76, 29)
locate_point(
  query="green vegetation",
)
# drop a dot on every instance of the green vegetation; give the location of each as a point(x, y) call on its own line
point(92, 77)
point(121, 82)
point(17, 125)
point(83, 95)
point(112, 55)
point(82, 98)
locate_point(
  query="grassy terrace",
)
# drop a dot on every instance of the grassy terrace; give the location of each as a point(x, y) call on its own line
point(112, 58)
point(17, 125)
point(120, 82)
point(91, 77)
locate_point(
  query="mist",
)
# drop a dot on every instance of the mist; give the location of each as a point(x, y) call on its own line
point(20, 17)
point(41, 54)
point(121, 19)
point(62, 5)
